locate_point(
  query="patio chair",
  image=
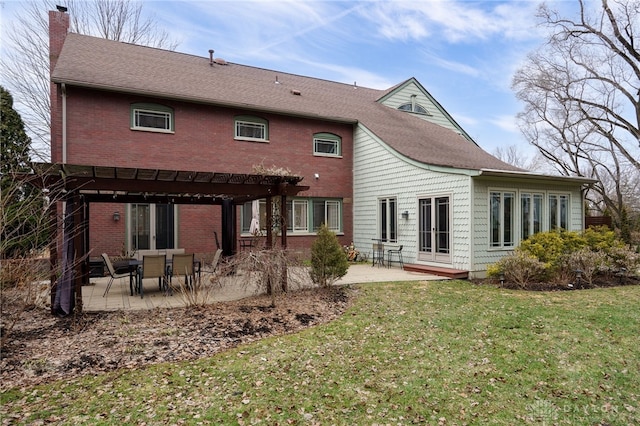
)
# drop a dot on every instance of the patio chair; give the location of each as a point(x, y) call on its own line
point(378, 254)
point(213, 266)
point(112, 273)
point(397, 252)
point(153, 266)
point(182, 265)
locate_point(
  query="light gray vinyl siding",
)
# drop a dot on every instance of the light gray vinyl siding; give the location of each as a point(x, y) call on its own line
point(381, 172)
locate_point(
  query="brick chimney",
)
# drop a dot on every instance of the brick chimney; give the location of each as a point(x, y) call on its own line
point(58, 28)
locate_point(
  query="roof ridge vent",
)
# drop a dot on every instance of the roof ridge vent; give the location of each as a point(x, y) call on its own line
point(296, 92)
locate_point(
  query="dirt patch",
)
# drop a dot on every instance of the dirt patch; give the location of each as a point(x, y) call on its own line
point(43, 348)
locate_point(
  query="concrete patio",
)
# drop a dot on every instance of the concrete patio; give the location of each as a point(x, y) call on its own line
point(230, 288)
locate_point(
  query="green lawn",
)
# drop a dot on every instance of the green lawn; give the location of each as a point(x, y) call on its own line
point(407, 353)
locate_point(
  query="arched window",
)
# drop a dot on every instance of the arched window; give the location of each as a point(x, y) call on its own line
point(413, 107)
point(327, 144)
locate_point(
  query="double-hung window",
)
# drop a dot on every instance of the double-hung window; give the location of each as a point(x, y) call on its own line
point(388, 219)
point(327, 144)
point(250, 128)
point(501, 219)
point(152, 118)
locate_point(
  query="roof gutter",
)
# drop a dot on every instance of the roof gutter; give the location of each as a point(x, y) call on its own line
point(532, 175)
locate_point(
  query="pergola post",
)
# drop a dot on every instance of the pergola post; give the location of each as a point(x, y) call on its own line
point(283, 241)
point(53, 251)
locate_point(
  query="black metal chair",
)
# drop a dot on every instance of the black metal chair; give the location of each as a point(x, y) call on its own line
point(112, 272)
point(378, 254)
point(397, 252)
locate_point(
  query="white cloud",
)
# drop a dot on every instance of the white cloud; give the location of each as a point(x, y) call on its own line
point(455, 20)
point(458, 67)
point(506, 122)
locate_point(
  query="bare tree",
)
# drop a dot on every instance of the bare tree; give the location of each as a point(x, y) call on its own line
point(581, 94)
point(510, 154)
point(25, 66)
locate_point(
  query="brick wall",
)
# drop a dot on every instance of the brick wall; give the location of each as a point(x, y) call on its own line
point(98, 133)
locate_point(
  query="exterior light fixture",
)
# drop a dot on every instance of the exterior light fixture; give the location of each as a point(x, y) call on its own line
point(405, 214)
point(578, 277)
point(116, 216)
point(501, 279)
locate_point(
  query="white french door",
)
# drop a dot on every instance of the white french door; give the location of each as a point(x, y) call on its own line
point(152, 226)
point(434, 229)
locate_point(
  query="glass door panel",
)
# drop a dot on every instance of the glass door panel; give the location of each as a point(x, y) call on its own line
point(164, 226)
point(152, 227)
point(140, 227)
point(434, 229)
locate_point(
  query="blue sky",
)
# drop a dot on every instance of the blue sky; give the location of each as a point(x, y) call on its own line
point(464, 53)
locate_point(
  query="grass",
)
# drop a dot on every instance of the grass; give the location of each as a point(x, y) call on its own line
point(448, 353)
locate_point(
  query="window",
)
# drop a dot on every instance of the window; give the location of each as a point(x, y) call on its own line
point(388, 219)
point(247, 216)
point(327, 212)
point(501, 217)
point(304, 215)
point(413, 106)
point(298, 216)
point(531, 214)
point(327, 144)
point(417, 108)
point(151, 117)
point(251, 128)
point(558, 211)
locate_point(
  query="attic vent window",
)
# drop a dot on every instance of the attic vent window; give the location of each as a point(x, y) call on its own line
point(296, 92)
point(414, 107)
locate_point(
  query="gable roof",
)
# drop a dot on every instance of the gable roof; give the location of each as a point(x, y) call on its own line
point(413, 81)
point(116, 66)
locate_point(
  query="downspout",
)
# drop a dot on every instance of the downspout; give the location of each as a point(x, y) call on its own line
point(64, 123)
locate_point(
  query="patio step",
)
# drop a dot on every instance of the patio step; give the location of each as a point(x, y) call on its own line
point(438, 270)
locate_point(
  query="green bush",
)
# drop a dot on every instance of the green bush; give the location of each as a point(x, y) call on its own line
point(328, 262)
point(555, 256)
point(601, 238)
point(549, 247)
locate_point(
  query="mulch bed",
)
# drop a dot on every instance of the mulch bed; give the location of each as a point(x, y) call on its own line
point(42, 348)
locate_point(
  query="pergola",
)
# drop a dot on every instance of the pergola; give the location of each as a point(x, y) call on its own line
point(81, 185)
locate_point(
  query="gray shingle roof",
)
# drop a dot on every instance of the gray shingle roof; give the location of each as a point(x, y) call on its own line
point(104, 64)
